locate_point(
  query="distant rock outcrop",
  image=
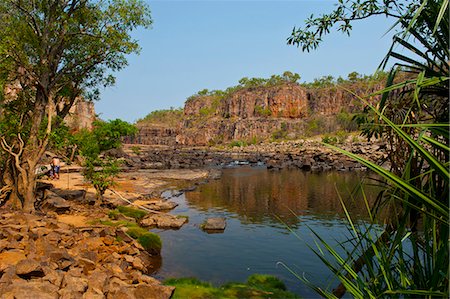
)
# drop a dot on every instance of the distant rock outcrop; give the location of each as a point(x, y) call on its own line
point(251, 114)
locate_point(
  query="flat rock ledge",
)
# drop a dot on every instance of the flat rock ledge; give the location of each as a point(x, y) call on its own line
point(164, 221)
point(42, 257)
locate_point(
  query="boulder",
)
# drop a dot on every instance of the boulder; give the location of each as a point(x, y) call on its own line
point(9, 258)
point(29, 268)
point(76, 195)
point(30, 290)
point(53, 202)
point(163, 205)
point(214, 224)
point(164, 221)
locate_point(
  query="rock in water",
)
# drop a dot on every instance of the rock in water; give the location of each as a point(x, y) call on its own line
point(214, 224)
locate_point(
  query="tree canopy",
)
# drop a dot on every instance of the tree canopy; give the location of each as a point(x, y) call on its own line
point(53, 52)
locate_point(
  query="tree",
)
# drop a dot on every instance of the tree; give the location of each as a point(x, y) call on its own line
point(410, 257)
point(346, 12)
point(101, 171)
point(57, 51)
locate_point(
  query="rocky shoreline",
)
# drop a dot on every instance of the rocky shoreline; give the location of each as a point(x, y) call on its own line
point(65, 250)
point(308, 155)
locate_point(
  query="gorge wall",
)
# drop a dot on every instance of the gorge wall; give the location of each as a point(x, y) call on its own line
point(81, 115)
point(254, 114)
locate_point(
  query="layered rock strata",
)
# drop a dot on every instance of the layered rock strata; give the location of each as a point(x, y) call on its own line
point(287, 111)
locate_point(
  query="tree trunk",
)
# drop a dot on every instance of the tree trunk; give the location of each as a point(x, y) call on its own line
point(29, 194)
point(22, 183)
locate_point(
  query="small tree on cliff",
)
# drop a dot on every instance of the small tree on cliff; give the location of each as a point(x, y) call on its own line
point(57, 50)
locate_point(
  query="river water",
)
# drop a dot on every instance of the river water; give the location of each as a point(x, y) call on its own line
point(269, 215)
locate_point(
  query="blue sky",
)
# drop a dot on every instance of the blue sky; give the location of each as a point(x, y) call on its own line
point(194, 45)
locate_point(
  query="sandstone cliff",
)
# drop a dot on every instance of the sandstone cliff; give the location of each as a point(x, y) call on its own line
point(81, 114)
point(285, 111)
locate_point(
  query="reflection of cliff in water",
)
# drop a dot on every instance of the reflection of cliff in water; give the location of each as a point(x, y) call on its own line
point(260, 196)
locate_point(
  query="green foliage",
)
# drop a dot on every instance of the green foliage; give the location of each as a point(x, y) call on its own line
point(347, 11)
point(237, 143)
point(58, 51)
point(339, 137)
point(136, 231)
point(409, 256)
point(205, 111)
point(109, 133)
point(242, 143)
point(136, 149)
point(314, 126)
point(151, 242)
point(274, 80)
point(101, 173)
point(257, 286)
point(167, 116)
point(104, 136)
point(264, 112)
point(193, 288)
point(132, 212)
point(280, 133)
point(329, 139)
point(352, 79)
point(265, 282)
point(347, 121)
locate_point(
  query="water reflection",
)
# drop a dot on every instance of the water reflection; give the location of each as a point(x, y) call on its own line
point(265, 197)
point(257, 205)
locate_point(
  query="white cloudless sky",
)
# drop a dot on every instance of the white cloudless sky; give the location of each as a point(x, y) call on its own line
point(194, 45)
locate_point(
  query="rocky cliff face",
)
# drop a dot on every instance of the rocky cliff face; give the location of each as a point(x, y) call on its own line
point(254, 114)
point(286, 101)
point(81, 114)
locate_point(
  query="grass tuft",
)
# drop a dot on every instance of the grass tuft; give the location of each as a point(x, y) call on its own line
point(132, 212)
point(257, 286)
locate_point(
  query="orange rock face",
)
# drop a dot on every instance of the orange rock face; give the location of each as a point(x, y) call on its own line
point(288, 110)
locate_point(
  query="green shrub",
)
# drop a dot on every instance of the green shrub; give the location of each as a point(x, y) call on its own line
point(264, 112)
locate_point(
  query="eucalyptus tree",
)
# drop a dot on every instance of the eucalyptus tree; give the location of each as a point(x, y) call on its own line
point(55, 51)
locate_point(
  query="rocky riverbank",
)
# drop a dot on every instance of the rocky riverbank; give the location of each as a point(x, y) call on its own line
point(67, 249)
point(72, 248)
point(308, 155)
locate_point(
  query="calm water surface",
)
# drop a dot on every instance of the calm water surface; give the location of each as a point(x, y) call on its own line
point(269, 216)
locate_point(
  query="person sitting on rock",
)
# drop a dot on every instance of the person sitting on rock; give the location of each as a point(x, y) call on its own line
point(56, 165)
